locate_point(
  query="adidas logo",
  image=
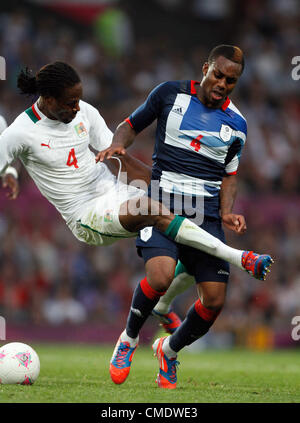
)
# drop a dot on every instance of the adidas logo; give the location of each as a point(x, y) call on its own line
point(178, 110)
point(223, 272)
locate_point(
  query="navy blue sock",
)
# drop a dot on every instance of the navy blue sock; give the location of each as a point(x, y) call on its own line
point(143, 302)
point(197, 323)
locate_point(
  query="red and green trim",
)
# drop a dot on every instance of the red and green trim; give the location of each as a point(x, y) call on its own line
point(33, 114)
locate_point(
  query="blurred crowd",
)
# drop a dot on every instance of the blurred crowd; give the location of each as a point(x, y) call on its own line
point(48, 276)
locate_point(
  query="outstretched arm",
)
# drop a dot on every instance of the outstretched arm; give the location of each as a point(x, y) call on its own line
point(142, 117)
point(122, 139)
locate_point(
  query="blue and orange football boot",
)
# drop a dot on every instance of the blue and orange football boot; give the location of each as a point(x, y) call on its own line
point(120, 362)
point(166, 377)
point(256, 264)
point(169, 321)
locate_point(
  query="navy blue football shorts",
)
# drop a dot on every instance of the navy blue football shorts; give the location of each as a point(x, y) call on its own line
point(204, 267)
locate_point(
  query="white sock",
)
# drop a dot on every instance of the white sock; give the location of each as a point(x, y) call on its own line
point(179, 284)
point(190, 234)
point(132, 341)
point(167, 349)
point(125, 338)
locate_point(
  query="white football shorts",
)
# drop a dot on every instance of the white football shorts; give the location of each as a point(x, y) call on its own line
point(99, 222)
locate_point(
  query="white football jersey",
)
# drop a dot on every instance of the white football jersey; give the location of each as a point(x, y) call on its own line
point(58, 158)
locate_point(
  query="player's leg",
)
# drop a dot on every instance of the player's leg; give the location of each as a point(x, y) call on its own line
point(159, 275)
point(113, 217)
point(182, 281)
point(204, 311)
point(201, 315)
point(197, 323)
point(195, 260)
point(160, 267)
point(183, 231)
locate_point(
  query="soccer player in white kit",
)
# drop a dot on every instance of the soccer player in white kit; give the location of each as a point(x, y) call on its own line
point(52, 139)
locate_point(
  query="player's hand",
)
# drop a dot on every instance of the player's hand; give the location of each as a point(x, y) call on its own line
point(110, 151)
point(235, 222)
point(10, 182)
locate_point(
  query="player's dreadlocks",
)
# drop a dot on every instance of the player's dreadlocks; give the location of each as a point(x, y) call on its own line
point(232, 53)
point(50, 80)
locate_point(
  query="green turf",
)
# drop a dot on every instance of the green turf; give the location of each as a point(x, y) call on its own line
point(79, 374)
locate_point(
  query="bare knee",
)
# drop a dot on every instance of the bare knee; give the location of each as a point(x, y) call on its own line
point(212, 294)
point(215, 303)
point(160, 272)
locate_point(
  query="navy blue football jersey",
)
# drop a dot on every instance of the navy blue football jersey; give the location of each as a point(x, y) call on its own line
point(195, 145)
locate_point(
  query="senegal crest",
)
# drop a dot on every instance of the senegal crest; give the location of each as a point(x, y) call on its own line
point(80, 130)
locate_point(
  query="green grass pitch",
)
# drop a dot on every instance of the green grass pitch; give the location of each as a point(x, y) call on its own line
point(79, 374)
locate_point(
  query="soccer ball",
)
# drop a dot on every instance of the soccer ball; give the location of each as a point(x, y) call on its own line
point(19, 364)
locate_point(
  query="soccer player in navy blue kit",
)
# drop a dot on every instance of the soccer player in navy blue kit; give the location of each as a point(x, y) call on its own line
point(199, 139)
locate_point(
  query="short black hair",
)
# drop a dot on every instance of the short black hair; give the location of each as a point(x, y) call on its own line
point(233, 53)
point(49, 81)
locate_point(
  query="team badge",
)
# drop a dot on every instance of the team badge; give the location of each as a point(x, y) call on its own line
point(225, 133)
point(146, 233)
point(80, 130)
